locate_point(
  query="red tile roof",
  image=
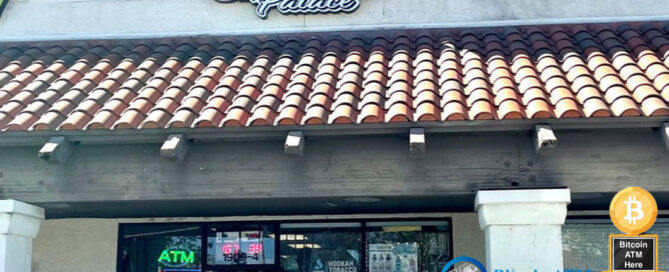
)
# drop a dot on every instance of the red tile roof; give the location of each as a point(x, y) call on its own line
point(576, 71)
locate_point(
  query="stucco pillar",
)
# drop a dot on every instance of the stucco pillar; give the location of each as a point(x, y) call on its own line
point(19, 224)
point(523, 228)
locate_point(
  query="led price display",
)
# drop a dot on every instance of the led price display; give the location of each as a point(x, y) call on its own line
point(255, 249)
point(242, 248)
point(234, 252)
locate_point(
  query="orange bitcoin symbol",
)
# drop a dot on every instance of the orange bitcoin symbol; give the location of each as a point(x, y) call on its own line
point(633, 210)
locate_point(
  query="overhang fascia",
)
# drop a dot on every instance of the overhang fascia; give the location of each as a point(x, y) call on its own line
point(23, 138)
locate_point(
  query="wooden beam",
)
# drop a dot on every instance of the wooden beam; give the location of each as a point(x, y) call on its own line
point(417, 142)
point(544, 138)
point(336, 167)
point(294, 143)
point(176, 146)
point(56, 150)
point(664, 131)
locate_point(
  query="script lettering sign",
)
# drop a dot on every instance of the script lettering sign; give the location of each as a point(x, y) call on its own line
point(301, 6)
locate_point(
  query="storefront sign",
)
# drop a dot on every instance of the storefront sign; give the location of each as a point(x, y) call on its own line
point(177, 257)
point(335, 261)
point(634, 253)
point(301, 6)
point(633, 211)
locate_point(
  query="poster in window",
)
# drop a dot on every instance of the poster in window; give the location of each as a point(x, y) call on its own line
point(393, 258)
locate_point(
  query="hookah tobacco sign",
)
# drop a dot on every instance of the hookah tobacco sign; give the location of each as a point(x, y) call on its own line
point(288, 7)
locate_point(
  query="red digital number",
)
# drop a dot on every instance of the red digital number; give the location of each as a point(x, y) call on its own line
point(228, 249)
point(255, 249)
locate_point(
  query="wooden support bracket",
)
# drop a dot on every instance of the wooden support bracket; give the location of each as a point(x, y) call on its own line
point(417, 142)
point(544, 138)
point(664, 131)
point(176, 146)
point(56, 150)
point(294, 143)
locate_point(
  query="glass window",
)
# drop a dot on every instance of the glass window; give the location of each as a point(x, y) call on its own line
point(240, 244)
point(353, 246)
point(321, 247)
point(585, 244)
point(162, 248)
point(407, 246)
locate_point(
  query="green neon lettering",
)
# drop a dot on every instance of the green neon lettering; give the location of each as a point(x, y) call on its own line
point(175, 255)
point(187, 259)
point(164, 257)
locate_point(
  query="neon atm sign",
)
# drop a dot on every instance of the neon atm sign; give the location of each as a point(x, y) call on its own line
point(301, 6)
point(177, 257)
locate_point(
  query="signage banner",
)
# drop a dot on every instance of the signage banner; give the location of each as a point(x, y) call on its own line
point(301, 6)
point(633, 211)
point(633, 253)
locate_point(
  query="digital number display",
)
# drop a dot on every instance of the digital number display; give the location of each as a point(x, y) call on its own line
point(234, 253)
point(255, 249)
point(242, 248)
point(231, 249)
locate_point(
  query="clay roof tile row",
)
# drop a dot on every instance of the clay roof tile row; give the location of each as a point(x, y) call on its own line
point(582, 71)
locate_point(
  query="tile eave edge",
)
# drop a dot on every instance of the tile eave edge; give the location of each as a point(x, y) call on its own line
point(18, 138)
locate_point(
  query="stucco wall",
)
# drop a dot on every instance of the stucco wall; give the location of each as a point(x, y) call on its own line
point(67, 245)
point(468, 238)
point(81, 19)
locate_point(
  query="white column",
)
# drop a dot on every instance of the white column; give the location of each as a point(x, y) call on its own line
point(523, 228)
point(19, 224)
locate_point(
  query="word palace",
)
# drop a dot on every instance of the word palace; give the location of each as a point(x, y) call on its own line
point(301, 6)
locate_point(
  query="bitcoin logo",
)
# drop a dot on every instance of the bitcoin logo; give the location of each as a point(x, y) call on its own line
point(633, 210)
point(633, 206)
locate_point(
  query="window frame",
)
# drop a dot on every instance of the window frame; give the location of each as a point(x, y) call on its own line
point(276, 225)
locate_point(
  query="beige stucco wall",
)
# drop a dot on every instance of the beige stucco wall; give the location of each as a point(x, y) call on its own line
point(67, 245)
point(468, 238)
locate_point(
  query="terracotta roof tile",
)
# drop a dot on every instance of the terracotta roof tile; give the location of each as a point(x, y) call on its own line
point(599, 70)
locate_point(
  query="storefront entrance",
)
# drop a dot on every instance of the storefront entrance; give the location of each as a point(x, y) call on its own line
point(296, 246)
